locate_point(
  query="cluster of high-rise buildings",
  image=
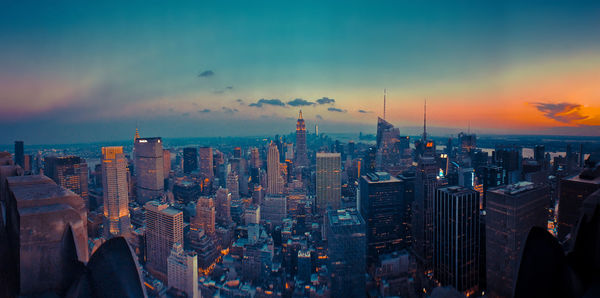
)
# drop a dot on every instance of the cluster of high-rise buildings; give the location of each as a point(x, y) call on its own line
point(296, 216)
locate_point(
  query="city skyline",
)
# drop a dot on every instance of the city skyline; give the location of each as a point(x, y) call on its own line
point(92, 73)
point(310, 149)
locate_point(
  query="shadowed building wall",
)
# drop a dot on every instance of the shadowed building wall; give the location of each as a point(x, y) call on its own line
point(46, 212)
point(512, 211)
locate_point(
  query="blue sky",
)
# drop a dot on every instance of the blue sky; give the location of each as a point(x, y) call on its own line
point(73, 71)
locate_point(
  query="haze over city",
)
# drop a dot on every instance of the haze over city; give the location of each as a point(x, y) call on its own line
point(74, 72)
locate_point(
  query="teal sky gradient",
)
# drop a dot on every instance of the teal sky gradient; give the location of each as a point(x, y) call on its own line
point(118, 63)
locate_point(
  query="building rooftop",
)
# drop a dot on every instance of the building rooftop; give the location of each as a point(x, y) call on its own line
point(380, 177)
point(148, 140)
point(345, 217)
point(513, 189)
point(577, 178)
point(33, 190)
point(327, 154)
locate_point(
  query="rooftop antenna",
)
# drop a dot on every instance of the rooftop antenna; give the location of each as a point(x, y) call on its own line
point(384, 95)
point(425, 120)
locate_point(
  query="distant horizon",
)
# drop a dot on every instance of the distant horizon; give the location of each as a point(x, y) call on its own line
point(330, 134)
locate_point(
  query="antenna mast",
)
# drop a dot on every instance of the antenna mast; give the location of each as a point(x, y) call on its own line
point(425, 121)
point(384, 94)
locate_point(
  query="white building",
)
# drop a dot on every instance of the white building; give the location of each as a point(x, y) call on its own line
point(183, 271)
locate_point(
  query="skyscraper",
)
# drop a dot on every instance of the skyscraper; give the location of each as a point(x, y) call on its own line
point(426, 181)
point(345, 230)
point(512, 211)
point(223, 206)
point(70, 172)
point(301, 153)
point(233, 185)
point(115, 191)
point(388, 149)
point(19, 153)
point(274, 178)
point(166, 162)
point(164, 227)
point(206, 162)
point(381, 204)
point(205, 215)
point(329, 181)
point(182, 271)
point(149, 169)
point(255, 160)
point(456, 238)
point(190, 159)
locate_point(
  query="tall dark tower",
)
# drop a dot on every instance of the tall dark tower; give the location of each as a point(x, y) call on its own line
point(301, 155)
point(19, 153)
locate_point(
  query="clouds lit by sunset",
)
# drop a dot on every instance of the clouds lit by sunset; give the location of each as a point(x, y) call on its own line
point(504, 67)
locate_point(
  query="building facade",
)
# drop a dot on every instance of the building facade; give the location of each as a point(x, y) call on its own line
point(274, 178)
point(149, 169)
point(164, 228)
point(115, 192)
point(345, 230)
point(301, 154)
point(205, 155)
point(382, 206)
point(456, 238)
point(328, 181)
point(205, 216)
point(426, 182)
point(190, 159)
point(70, 172)
point(512, 210)
point(182, 271)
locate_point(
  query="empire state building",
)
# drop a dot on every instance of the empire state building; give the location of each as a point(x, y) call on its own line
point(301, 156)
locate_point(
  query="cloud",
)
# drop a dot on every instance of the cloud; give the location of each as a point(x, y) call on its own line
point(325, 100)
point(332, 109)
point(364, 112)
point(206, 73)
point(204, 111)
point(562, 112)
point(185, 114)
point(298, 102)
point(229, 110)
point(319, 117)
point(221, 91)
point(273, 102)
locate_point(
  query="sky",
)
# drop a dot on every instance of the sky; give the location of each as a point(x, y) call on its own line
point(75, 72)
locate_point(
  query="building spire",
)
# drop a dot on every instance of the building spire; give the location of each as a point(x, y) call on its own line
point(425, 121)
point(300, 116)
point(384, 95)
point(137, 133)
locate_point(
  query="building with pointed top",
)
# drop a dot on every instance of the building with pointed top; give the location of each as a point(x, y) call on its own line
point(301, 154)
point(274, 179)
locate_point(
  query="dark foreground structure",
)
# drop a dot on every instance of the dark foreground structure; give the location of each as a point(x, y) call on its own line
point(44, 244)
point(547, 271)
